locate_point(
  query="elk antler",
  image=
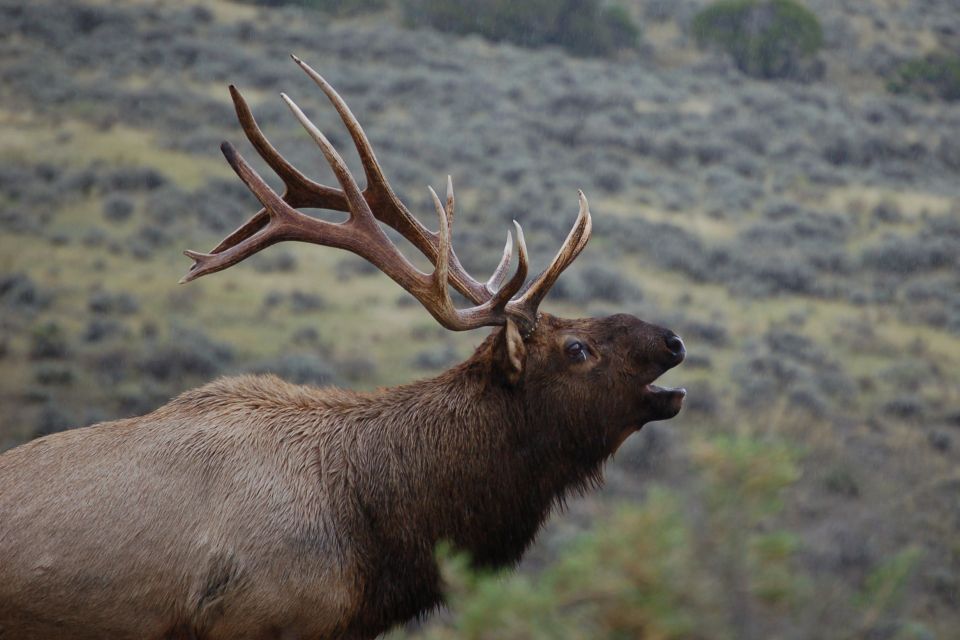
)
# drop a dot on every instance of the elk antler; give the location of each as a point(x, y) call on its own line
point(279, 221)
point(526, 304)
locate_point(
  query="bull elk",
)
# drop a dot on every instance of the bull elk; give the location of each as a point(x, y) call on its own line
point(254, 508)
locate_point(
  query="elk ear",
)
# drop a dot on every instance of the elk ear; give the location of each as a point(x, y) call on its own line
point(513, 355)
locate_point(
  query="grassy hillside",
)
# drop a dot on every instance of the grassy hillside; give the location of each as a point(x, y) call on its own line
point(802, 238)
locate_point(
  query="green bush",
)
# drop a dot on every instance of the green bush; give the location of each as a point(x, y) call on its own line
point(627, 579)
point(582, 27)
point(933, 76)
point(767, 38)
point(48, 342)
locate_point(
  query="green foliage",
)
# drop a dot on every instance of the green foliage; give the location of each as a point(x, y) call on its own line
point(47, 341)
point(626, 579)
point(767, 38)
point(933, 76)
point(582, 27)
point(774, 582)
point(744, 479)
point(884, 586)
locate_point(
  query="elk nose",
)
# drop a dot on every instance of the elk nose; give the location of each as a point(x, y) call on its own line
point(675, 347)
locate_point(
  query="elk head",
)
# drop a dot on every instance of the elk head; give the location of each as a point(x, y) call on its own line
point(602, 369)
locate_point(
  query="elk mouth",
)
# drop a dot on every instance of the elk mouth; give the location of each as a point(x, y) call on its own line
point(662, 403)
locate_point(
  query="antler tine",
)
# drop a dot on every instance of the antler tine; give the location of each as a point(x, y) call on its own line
point(300, 190)
point(501, 271)
point(371, 168)
point(355, 201)
point(446, 241)
point(494, 310)
point(450, 198)
point(278, 222)
point(385, 204)
point(506, 293)
point(527, 303)
point(496, 279)
point(501, 294)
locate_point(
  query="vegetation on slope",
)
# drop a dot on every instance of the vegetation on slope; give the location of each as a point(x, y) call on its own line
point(766, 38)
point(936, 75)
point(802, 239)
point(582, 27)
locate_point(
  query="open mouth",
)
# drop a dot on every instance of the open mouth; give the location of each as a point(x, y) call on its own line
point(663, 403)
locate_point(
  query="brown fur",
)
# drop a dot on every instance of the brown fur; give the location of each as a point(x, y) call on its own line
point(253, 508)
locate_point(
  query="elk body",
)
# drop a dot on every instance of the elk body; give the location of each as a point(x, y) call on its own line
point(253, 508)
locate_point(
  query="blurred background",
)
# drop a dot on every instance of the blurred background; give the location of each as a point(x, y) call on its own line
point(778, 182)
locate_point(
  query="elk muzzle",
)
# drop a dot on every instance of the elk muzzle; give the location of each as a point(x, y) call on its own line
point(663, 403)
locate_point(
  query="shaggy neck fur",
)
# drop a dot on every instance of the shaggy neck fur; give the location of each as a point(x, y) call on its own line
point(467, 459)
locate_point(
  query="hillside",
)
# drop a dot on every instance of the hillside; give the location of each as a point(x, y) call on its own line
point(803, 238)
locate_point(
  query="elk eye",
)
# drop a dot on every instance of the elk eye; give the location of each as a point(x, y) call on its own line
point(576, 351)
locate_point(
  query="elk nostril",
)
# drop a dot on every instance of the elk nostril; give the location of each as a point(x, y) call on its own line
point(675, 346)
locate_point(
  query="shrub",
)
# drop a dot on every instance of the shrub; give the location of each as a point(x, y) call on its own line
point(53, 374)
point(147, 239)
point(352, 266)
point(302, 302)
point(221, 205)
point(582, 27)
point(766, 38)
point(134, 179)
point(335, 7)
point(18, 291)
point(905, 407)
point(307, 336)
point(188, 353)
point(435, 358)
point(357, 369)
point(100, 329)
point(110, 366)
point(95, 237)
point(52, 419)
point(117, 208)
point(612, 30)
point(648, 449)
point(276, 262)
point(910, 255)
point(300, 368)
point(712, 333)
point(597, 282)
point(120, 303)
point(936, 75)
point(48, 342)
point(841, 481)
